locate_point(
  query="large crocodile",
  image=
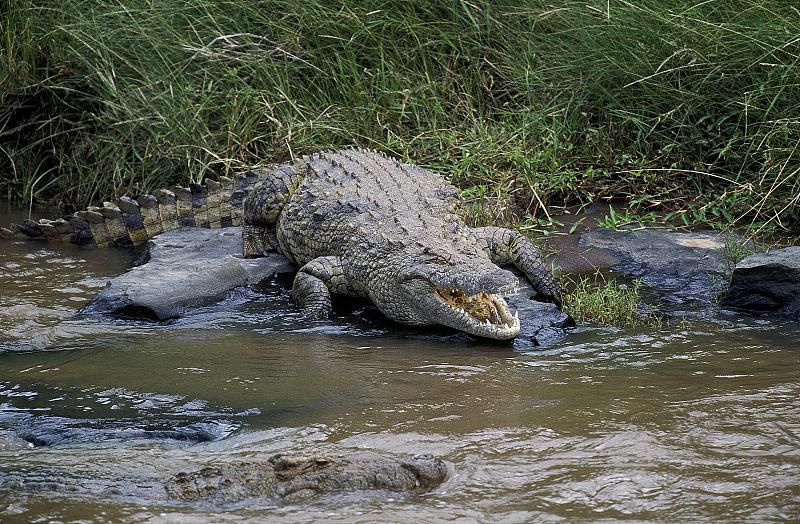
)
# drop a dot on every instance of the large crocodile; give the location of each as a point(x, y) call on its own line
point(357, 223)
point(289, 478)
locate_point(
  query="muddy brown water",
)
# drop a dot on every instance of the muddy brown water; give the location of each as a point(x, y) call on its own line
point(696, 421)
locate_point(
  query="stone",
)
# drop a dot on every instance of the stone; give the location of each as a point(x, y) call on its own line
point(678, 266)
point(185, 269)
point(767, 282)
point(541, 323)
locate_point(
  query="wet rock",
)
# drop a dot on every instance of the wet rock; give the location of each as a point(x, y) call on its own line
point(767, 282)
point(679, 266)
point(45, 430)
point(185, 269)
point(541, 323)
point(293, 477)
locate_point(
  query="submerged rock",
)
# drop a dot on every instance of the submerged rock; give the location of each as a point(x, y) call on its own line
point(294, 477)
point(678, 266)
point(185, 269)
point(767, 282)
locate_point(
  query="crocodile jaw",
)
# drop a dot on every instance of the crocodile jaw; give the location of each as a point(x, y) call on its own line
point(481, 314)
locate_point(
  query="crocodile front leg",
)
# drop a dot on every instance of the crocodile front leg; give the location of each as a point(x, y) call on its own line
point(506, 246)
point(316, 281)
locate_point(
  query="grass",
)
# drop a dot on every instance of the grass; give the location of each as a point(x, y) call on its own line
point(606, 302)
point(619, 221)
point(687, 108)
point(735, 249)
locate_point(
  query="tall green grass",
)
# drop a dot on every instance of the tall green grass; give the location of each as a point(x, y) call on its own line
point(686, 107)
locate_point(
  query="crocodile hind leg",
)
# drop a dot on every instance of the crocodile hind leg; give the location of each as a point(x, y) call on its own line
point(264, 204)
point(257, 240)
point(506, 246)
point(316, 281)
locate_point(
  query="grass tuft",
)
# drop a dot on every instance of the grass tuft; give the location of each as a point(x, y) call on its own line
point(607, 302)
point(735, 249)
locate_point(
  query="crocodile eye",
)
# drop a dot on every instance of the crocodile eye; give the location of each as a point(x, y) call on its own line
point(433, 257)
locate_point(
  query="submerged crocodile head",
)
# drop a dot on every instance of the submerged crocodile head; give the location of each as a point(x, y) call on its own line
point(294, 477)
point(461, 289)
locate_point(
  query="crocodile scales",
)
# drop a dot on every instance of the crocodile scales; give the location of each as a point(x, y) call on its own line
point(357, 223)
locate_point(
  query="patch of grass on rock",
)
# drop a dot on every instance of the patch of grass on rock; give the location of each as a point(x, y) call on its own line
point(606, 302)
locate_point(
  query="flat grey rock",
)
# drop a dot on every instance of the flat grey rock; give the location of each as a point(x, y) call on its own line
point(678, 266)
point(186, 268)
point(767, 282)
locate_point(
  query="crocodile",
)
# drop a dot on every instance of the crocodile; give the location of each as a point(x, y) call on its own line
point(281, 478)
point(297, 476)
point(357, 223)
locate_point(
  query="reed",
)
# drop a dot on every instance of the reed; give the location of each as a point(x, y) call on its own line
point(687, 108)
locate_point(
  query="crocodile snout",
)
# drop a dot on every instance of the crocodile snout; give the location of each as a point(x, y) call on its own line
point(498, 281)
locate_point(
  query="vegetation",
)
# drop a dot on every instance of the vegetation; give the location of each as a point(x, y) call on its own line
point(683, 107)
point(607, 302)
point(735, 249)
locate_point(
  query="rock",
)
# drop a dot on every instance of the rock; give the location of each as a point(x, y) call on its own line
point(679, 266)
point(43, 431)
point(767, 282)
point(541, 323)
point(294, 477)
point(186, 268)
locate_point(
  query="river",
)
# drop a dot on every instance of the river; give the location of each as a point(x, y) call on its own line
point(697, 420)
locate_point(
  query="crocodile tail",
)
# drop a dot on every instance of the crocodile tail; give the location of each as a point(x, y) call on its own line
point(133, 221)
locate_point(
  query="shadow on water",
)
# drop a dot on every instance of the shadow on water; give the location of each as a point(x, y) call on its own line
point(697, 420)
